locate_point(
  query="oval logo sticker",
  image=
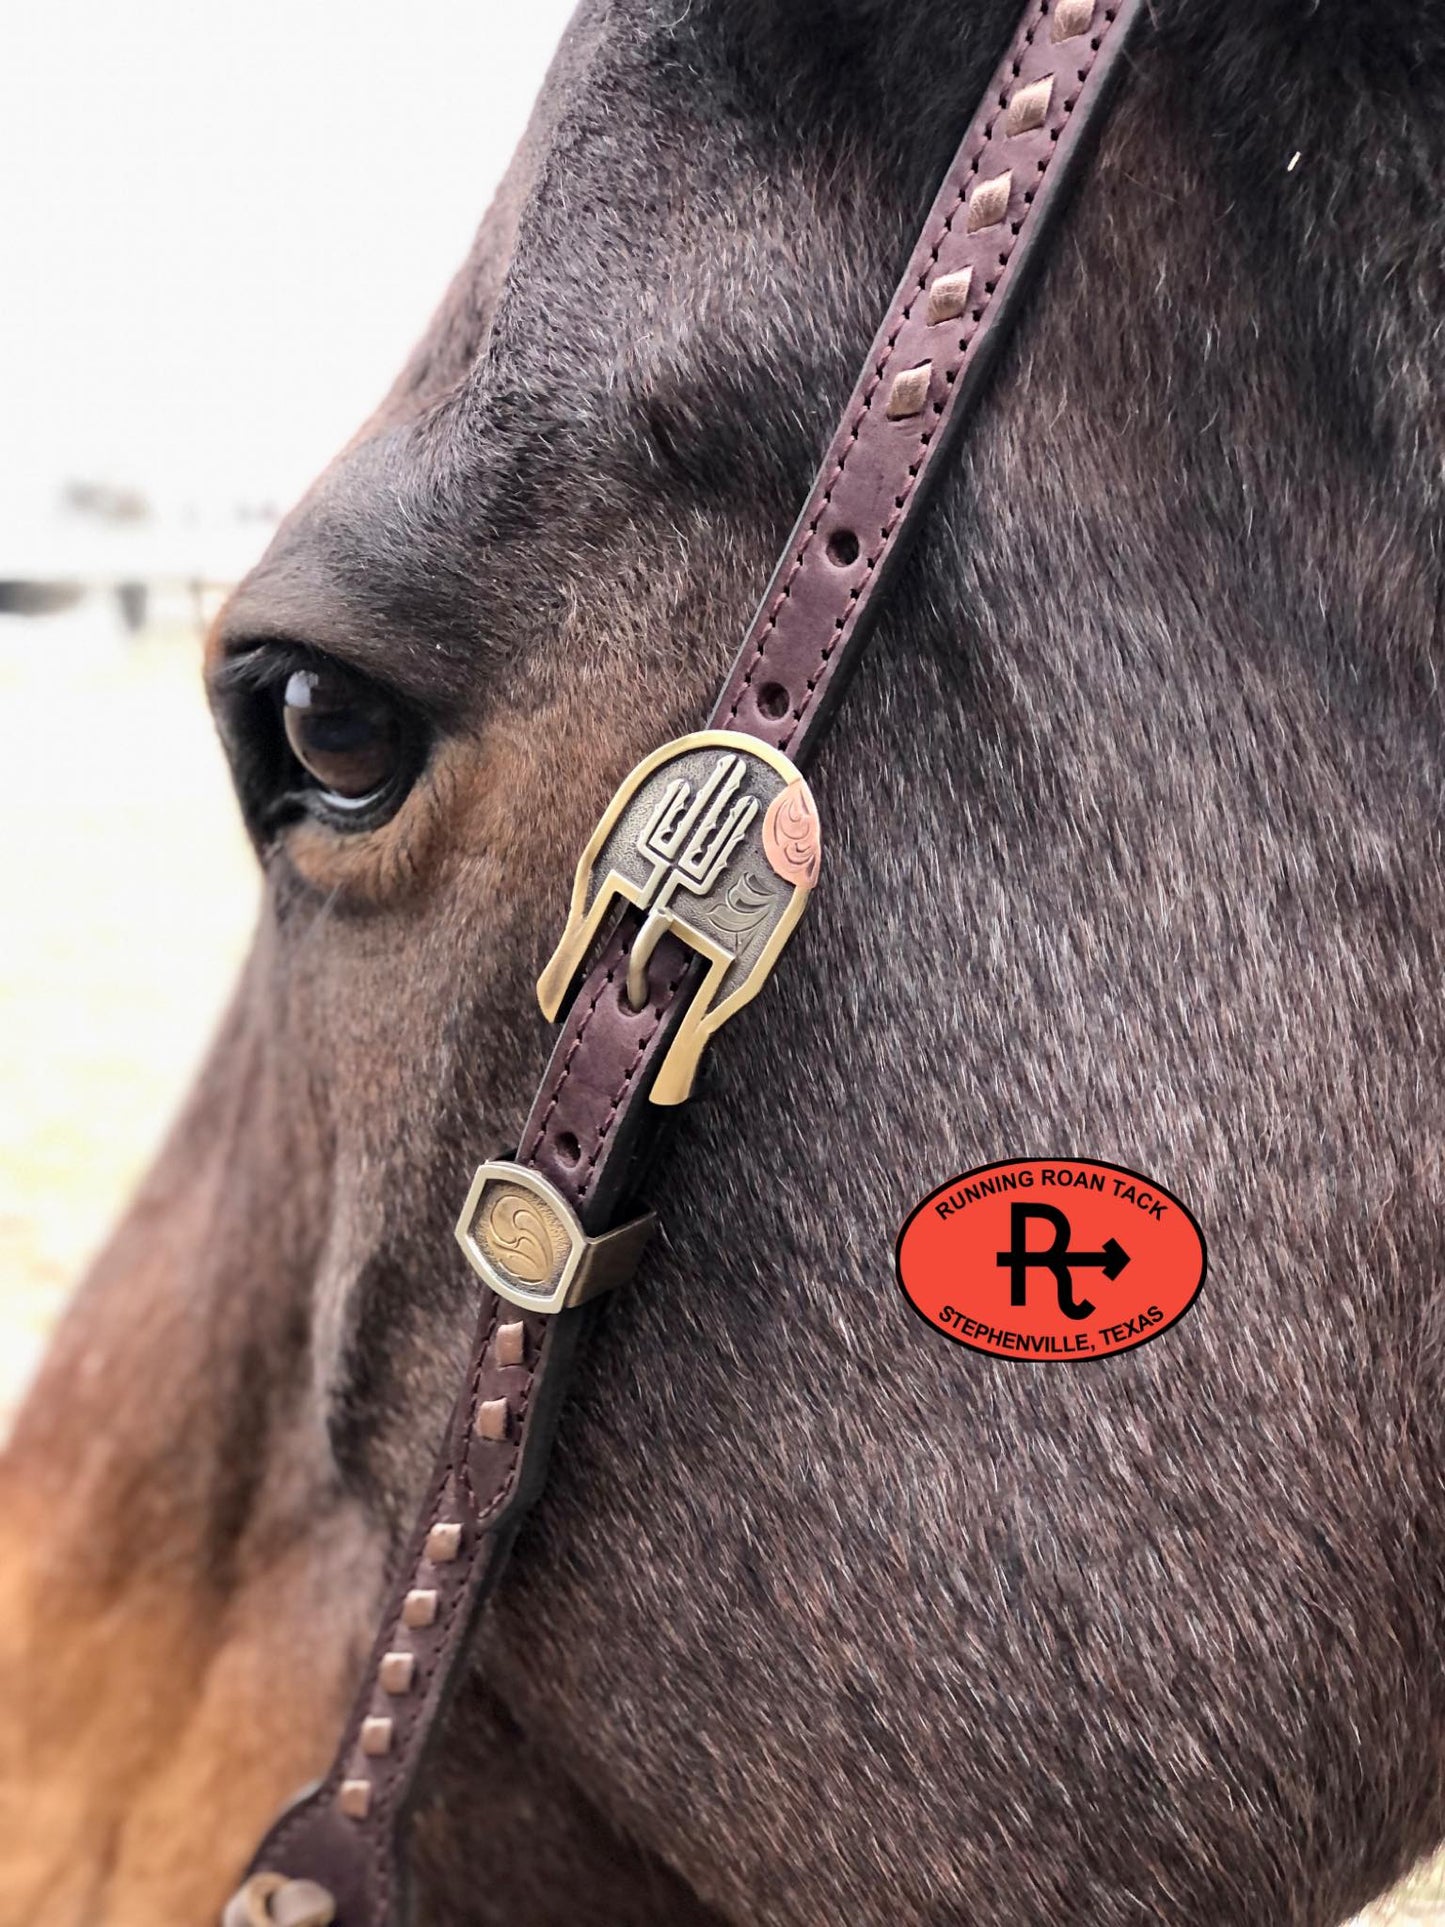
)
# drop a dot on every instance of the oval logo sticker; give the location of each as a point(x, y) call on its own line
point(1051, 1260)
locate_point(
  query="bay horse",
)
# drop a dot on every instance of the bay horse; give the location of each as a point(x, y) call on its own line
point(1135, 852)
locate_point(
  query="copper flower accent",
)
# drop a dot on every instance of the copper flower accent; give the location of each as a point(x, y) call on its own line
point(792, 835)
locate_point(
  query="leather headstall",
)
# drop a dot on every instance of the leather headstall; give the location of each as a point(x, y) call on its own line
point(684, 898)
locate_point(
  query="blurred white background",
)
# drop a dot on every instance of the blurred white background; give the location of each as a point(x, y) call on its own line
point(221, 229)
point(223, 226)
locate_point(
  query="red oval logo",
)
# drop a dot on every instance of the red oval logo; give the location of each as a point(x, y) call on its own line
point(1051, 1260)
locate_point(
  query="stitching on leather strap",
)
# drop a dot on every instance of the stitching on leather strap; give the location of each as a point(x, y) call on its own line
point(565, 1071)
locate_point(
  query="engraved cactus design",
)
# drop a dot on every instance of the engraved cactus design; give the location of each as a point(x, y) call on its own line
point(691, 838)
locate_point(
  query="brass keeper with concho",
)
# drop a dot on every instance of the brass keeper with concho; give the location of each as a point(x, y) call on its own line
point(523, 1239)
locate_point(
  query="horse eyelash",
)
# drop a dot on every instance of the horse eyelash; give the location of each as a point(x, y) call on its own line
point(264, 665)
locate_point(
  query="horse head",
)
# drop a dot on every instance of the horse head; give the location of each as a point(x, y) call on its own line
point(1133, 849)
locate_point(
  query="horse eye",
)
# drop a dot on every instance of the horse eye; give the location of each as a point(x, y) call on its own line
point(347, 738)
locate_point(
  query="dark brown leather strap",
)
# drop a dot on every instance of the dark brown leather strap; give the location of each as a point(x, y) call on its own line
point(926, 368)
point(344, 1833)
point(586, 1128)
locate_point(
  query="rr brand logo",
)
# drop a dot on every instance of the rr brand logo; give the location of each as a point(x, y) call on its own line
point(1104, 1260)
point(1058, 1258)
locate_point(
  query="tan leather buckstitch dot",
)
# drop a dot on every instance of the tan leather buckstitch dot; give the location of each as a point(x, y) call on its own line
point(909, 392)
point(988, 203)
point(1071, 18)
point(505, 1490)
point(1029, 107)
point(376, 1737)
point(443, 1543)
point(354, 1799)
point(492, 1419)
point(511, 1344)
point(396, 1672)
point(419, 1608)
point(948, 296)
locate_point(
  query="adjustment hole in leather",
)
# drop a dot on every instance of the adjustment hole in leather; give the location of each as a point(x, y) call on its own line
point(568, 1147)
point(772, 701)
point(843, 548)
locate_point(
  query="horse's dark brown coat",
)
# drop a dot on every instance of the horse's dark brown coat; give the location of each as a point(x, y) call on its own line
point(1134, 850)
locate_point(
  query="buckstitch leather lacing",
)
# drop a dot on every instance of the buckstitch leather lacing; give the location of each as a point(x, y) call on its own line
point(900, 501)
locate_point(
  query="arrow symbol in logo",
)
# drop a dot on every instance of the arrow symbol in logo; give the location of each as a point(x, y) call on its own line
point(1111, 1260)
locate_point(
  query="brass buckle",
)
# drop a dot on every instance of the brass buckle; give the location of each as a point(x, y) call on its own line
point(523, 1239)
point(715, 838)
